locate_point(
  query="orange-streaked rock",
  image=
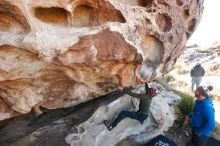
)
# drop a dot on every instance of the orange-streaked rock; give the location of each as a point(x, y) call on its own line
point(60, 53)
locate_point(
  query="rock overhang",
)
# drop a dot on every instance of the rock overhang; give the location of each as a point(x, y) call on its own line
point(60, 53)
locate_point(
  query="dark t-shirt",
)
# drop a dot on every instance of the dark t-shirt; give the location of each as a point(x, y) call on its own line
point(197, 71)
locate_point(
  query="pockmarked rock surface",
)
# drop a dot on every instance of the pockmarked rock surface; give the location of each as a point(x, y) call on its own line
point(62, 52)
point(94, 133)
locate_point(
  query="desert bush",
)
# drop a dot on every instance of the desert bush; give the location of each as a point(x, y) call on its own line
point(202, 51)
point(180, 69)
point(184, 107)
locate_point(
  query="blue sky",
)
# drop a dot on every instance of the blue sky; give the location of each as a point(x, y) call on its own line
point(208, 30)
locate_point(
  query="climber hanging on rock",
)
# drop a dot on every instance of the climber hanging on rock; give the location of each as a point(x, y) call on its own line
point(144, 108)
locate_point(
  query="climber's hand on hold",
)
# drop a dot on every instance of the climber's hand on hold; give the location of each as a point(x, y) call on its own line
point(120, 88)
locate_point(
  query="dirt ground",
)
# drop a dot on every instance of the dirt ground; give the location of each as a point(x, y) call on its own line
point(180, 135)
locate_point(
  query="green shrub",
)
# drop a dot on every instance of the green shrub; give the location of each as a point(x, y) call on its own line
point(184, 107)
point(201, 51)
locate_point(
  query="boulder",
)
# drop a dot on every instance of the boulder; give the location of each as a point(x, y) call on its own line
point(94, 133)
point(60, 53)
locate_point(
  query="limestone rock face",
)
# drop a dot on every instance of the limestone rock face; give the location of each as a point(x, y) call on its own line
point(59, 53)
